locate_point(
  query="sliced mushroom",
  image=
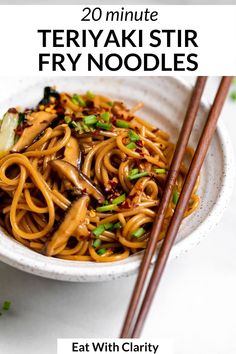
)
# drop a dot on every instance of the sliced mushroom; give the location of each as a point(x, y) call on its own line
point(77, 178)
point(37, 121)
point(74, 217)
point(72, 153)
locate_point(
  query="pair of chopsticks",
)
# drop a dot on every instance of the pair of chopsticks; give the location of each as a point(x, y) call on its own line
point(138, 310)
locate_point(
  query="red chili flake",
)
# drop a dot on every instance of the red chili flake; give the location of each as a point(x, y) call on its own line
point(131, 197)
point(138, 150)
point(12, 110)
point(139, 143)
point(60, 110)
point(125, 205)
point(129, 118)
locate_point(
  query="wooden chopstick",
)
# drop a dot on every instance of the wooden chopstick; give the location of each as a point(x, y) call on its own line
point(185, 195)
point(134, 330)
point(167, 194)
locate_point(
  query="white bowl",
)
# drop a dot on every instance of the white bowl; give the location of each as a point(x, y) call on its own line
point(165, 105)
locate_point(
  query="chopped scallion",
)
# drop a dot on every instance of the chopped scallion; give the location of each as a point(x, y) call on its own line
point(105, 116)
point(90, 95)
point(73, 124)
point(98, 230)
point(67, 119)
point(101, 251)
point(110, 103)
point(139, 232)
point(131, 146)
point(97, 243)
point(90, 120)
point(133, 136)
point(117, 225)
point(134, 171)
point(160, 171)
point(79, 128)
point(138, 175)
point(122, 124)
point(175, 197)
point(78, 100)
point(85, 127)
point(108, 226)
point(6, 305)
point(105, 126)
point(108, 207)
point(119, 199)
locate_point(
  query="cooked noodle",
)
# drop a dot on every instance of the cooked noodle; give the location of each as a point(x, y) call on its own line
point(87, 186)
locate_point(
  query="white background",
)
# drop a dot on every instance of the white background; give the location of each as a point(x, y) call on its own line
point(215, 25)
point(119, 2)
point(195, 304)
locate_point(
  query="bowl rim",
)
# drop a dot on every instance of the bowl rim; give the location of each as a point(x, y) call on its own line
point(107, 271)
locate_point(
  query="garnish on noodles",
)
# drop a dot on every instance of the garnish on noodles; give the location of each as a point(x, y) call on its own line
point(81, 177)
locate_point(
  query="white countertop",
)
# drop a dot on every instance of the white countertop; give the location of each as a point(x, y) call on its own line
point(195, 304)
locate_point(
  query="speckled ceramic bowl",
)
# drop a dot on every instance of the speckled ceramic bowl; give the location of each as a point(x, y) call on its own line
point(165, 105)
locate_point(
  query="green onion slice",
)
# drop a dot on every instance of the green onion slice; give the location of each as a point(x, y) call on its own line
point(6, 305)
point(90, 95)
point(108, 207)
point(78, 100)
point(122, 124)
point(139, 232)
point(73, 124)
point(119, 199)
point(117, 225)
point(98, 230)
point(160, 171)
point(97, 243)
point(133, 136)
point(67, 119)
point(131, 146)
point(138, 175)
point(108, 226)
point(85, 127)
point(175, 197)
point(105, 116)
point(90, 120)
point(101, 251)
point(105, 126)
point(134, 171)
